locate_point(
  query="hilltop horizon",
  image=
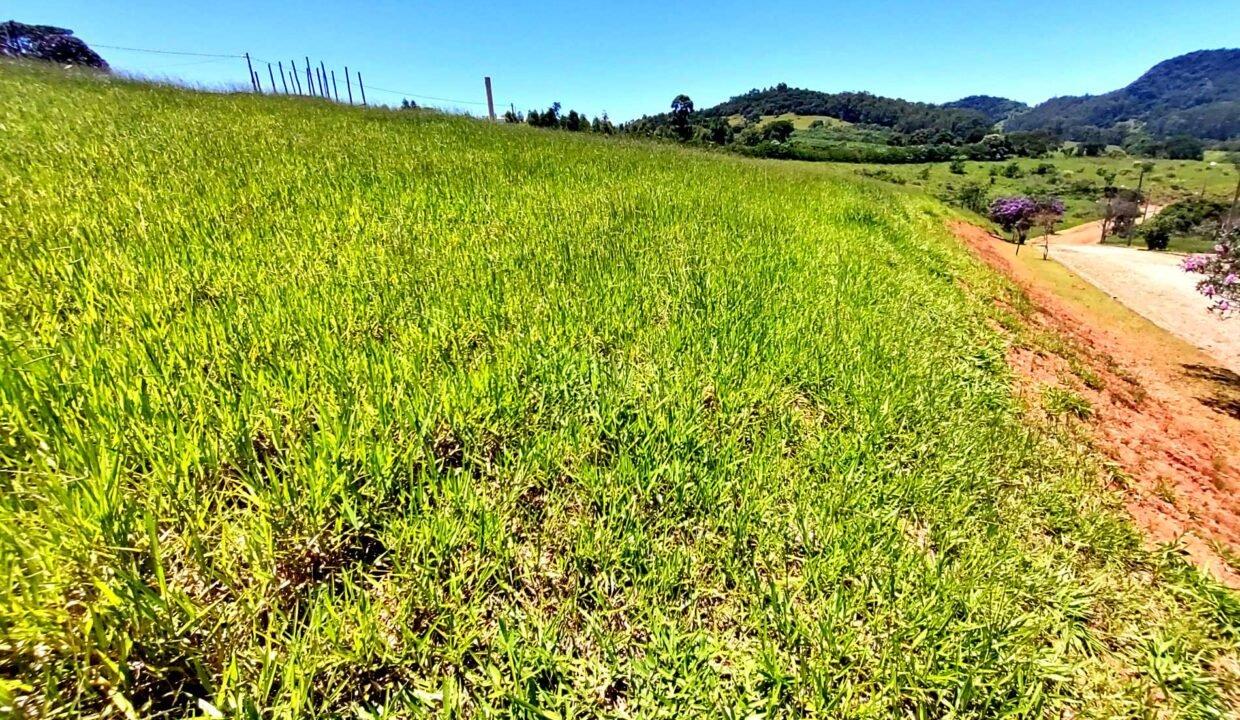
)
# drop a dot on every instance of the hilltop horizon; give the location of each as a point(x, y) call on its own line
point(632, 63)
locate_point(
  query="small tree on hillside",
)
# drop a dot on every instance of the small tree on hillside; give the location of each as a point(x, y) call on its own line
point(1124, 216)
point(1120, 209)
point(45, 42)
point(1047, 216)
point(682, 108)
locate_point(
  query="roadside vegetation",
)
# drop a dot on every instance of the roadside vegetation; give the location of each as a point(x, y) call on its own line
point(316, 411)
point(1082, 183)
point(1190, 225)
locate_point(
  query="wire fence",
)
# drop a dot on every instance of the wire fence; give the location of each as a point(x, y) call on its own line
point(303, 78)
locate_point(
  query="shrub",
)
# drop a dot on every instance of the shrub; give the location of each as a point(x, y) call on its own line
point(970, 196)
point(956, 166)
point(881, 174)
point(1191, 216)
point(1156, 237)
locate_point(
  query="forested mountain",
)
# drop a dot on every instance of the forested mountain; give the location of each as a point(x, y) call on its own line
point(857, 107)
point(1196, 94)
point(995, 109)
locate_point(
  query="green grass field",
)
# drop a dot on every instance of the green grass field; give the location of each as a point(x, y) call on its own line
point(310, 411)
point(1168, 181)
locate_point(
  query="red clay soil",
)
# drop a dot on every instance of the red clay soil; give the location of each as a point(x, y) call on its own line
point(1162, 410)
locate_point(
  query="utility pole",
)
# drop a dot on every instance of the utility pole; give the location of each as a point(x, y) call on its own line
point(490, 100)
point(253, 82)
point(1205, 176)
point(1145, 204)
point(1231, 214)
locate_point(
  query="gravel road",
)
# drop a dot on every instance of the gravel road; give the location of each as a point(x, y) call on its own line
point(1153, 285)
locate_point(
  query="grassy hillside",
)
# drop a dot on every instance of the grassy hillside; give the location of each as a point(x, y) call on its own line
point(316, 411)
point(800, 122)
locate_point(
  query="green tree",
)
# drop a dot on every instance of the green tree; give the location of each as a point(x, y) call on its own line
point(1184, 147)
point(778, 131)
point(682, 108)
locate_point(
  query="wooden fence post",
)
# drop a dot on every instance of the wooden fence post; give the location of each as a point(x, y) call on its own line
point(335, 88)
point(361, 87)
point(348, 84)
point(490, 100)
point(251, 68)
point(271, 73)
point(293, 71)
point(283, 77)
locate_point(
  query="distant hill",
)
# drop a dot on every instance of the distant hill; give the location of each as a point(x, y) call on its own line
point(1196, 94)
point(996, 109)
point(857, 107)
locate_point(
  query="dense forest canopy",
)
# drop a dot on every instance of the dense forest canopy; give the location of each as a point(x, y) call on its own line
point(857, 107)
point(996, 109)
point(1197, 94)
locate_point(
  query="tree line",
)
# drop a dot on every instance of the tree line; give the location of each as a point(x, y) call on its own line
point(555, 118)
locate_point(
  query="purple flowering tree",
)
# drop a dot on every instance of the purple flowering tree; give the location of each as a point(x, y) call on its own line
point(1018, 213)
point(1014, 215)
point(1221, 269)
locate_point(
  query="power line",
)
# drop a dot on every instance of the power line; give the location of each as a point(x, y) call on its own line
point(165, 51)
point(192, 63)
point(426, 97)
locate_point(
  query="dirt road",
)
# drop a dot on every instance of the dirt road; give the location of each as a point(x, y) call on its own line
point(1153, 285)
point(1150, 284)
point(1166, 413)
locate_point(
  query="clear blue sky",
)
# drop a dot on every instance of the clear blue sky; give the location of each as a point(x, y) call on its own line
point(631, 58)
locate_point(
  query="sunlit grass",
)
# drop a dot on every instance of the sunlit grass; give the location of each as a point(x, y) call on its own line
point(315, 411)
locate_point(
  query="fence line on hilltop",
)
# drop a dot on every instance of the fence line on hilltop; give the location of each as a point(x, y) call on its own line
point(307, 79)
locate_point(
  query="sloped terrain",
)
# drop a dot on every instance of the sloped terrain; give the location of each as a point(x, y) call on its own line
point(317, 411)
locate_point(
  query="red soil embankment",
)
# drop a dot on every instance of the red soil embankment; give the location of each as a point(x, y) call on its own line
point(1162, 410)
